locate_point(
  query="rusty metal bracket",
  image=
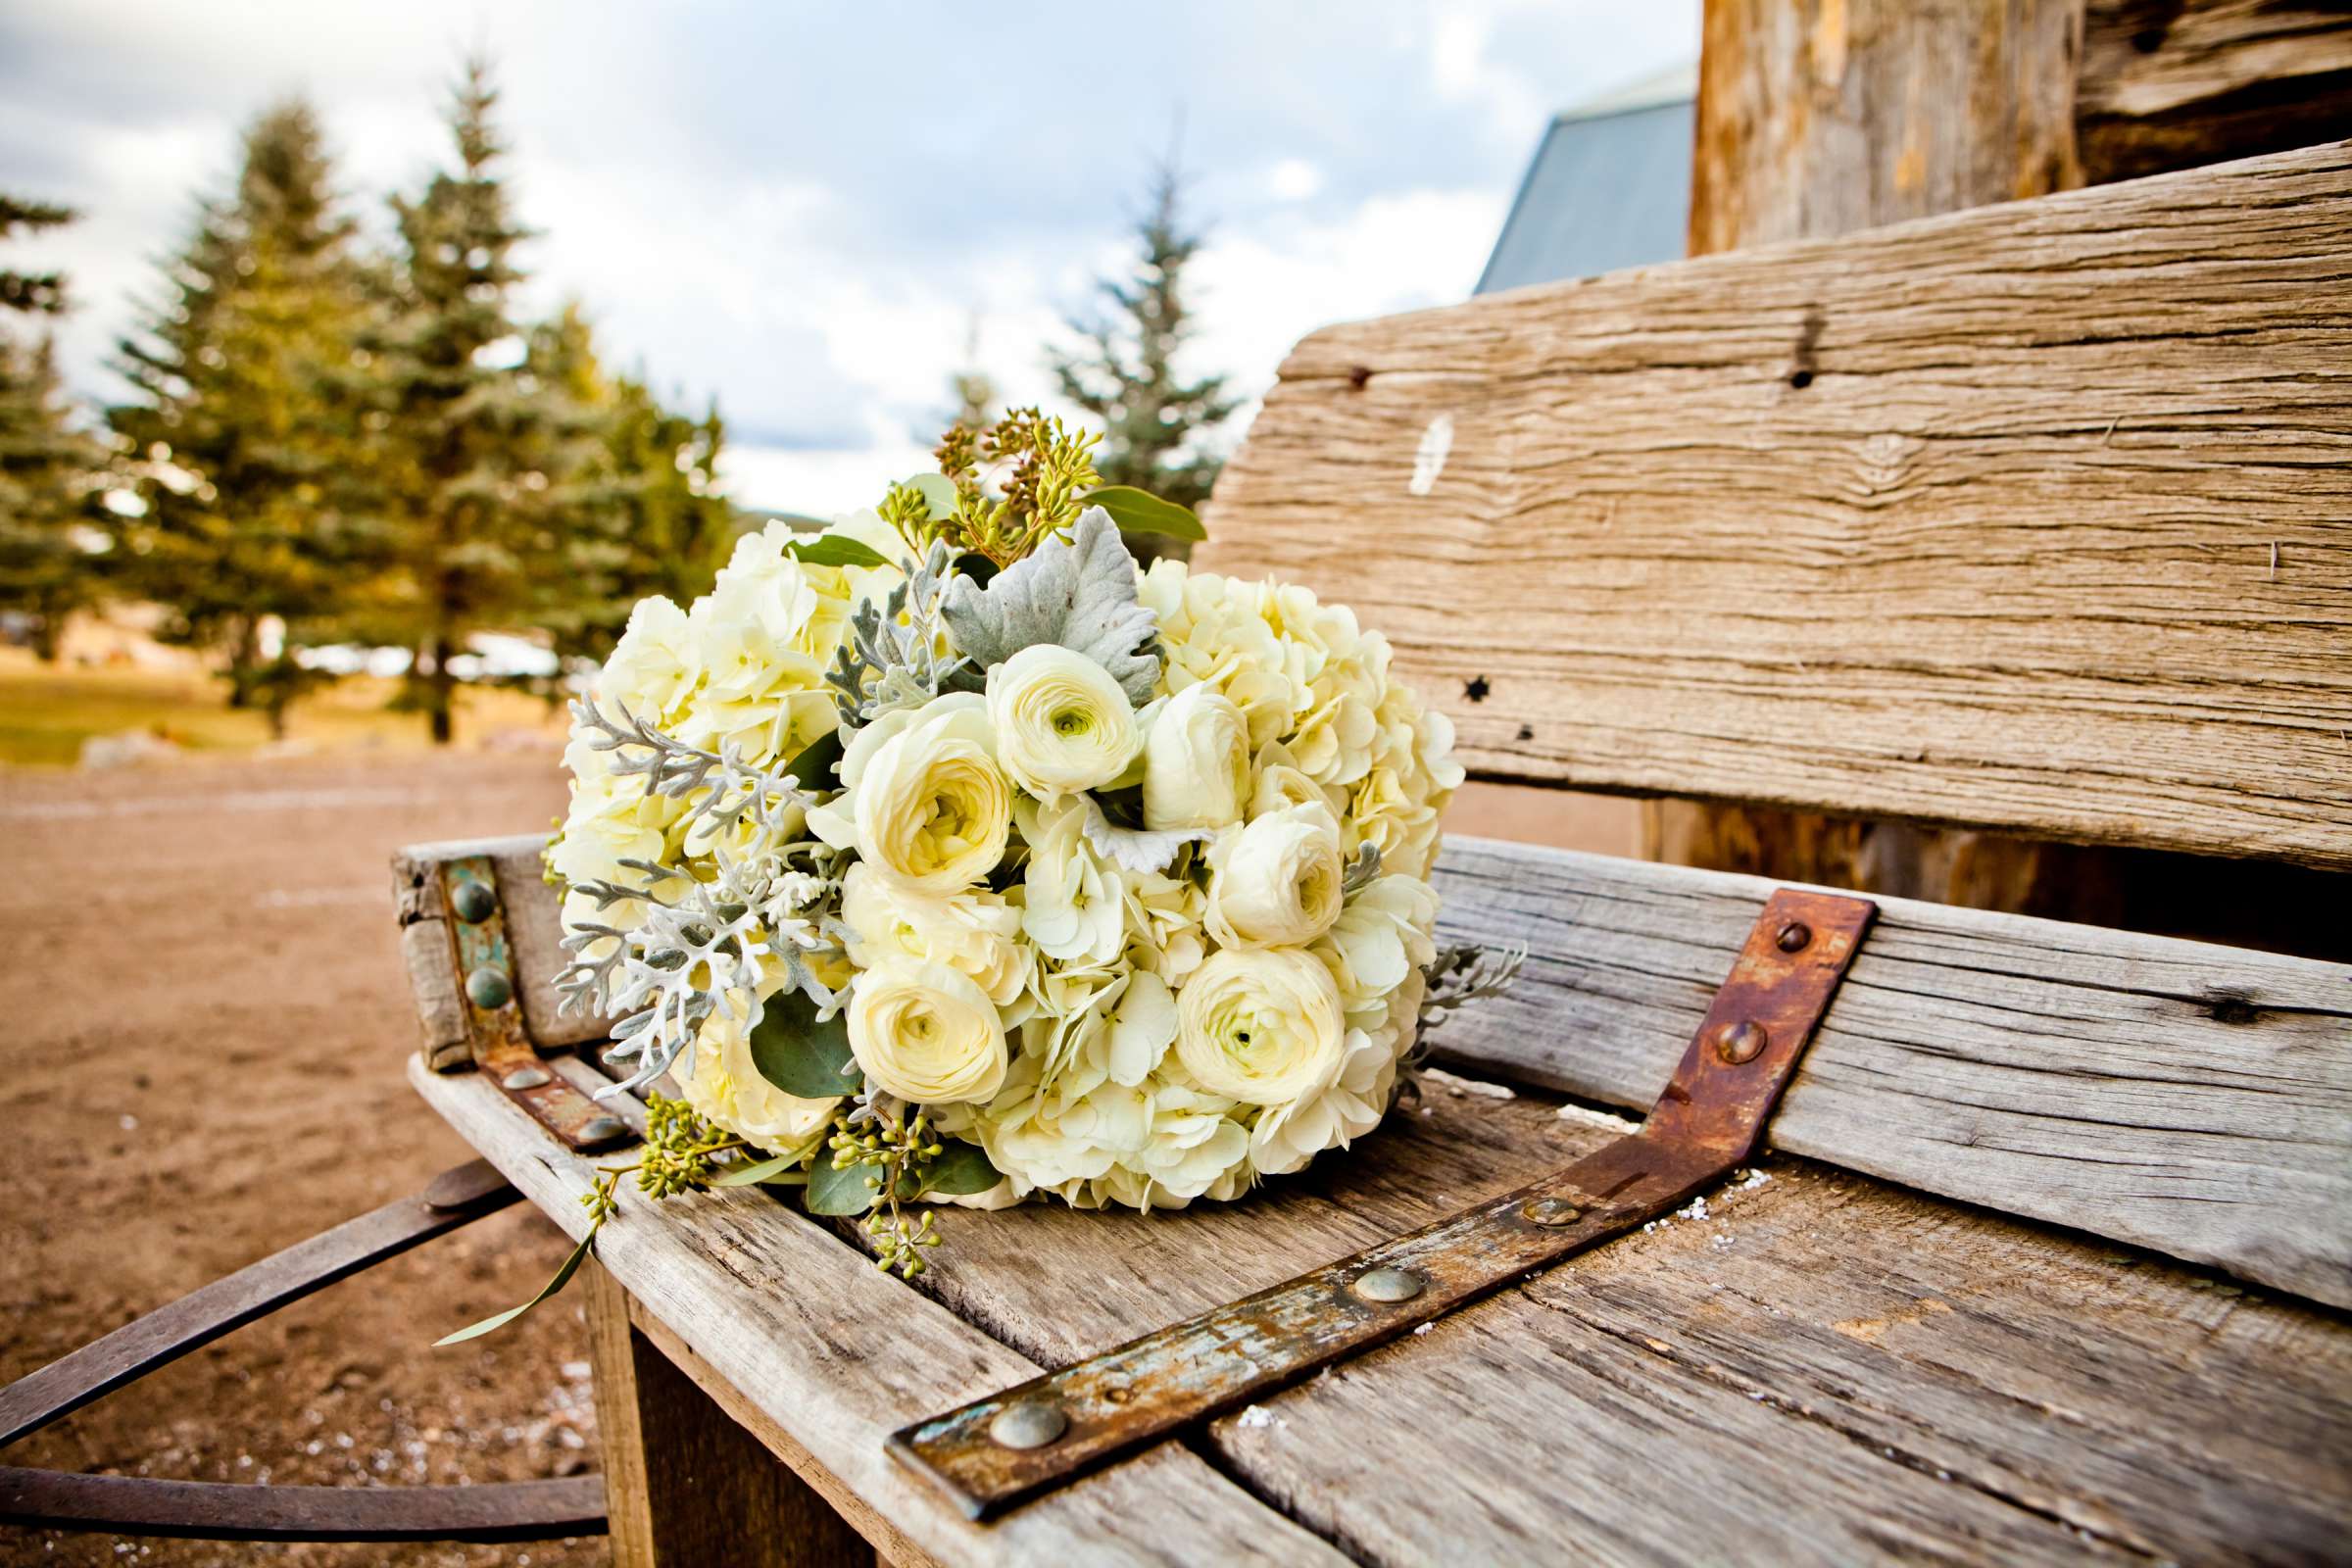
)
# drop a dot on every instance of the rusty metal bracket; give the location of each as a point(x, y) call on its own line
point(494, 1025)
point(997, 1451)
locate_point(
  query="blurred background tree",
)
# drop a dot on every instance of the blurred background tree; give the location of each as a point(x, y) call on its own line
point(245, 440)
point(477, 445)
point(637, 511)
point(49, 471)
point(1153, 421)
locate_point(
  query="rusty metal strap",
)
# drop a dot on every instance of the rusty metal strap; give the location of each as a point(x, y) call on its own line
point(999, 1450)
point(489, 990)
point(211, 1511)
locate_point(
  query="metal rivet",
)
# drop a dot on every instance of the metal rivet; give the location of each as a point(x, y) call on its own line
point(489, 989)
point(474, 902)
point(1551, 1211)
point(1389, 1285)
point(1794, 936)
point(595, 1129)
point(1027, 1425)
point(528, 1078)
point(1740, 1041)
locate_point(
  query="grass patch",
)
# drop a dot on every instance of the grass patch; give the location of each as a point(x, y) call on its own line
point(46, 712)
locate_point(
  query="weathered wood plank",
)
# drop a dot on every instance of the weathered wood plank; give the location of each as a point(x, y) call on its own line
point(2191, 1099)
point(2166, 84)
point(685, 1486)
point(1823, 1369)
point(2029, 518)
point(838, 1356)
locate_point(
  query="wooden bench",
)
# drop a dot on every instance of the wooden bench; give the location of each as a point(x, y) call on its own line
point(2036, 517)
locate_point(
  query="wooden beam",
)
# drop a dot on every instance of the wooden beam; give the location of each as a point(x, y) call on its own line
point(2165, 85)
point(684, 1485)
point(2182, 1097)
point(2029, 518)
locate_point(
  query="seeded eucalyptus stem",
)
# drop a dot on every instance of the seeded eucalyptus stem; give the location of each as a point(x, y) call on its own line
point(897, 1148)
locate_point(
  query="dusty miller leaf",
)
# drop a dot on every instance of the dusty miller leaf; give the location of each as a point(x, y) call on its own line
point(1137, 848)
point(1078, 592)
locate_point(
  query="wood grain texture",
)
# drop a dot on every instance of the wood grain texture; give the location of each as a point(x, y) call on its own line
point(685, 1486)
point(2191, 1099)
point(1822, 117)
point(2034, 517)
point(838, 1356)
point(1825, 1369)
point(2167, 86)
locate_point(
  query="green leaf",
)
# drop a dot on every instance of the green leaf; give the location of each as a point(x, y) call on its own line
point(782, 1171)
point(799, 1054)
point(1141, 512)
point(937, 492)
point(833, 549)
point(961, 1169)
point(841, 1192)
point(572, 1266)
point(813, 767)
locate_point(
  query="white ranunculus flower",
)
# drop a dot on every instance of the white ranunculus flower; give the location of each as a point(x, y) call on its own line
point(1358, 1096)
point(975, 932)
point(718, 1078)
point(1063, 724)
point(1076, 900)
point(1260, 1025)
point(1282, 782)
point(1276, 883)
point(926, 1032)
point(923, 801)
point(1197, 761)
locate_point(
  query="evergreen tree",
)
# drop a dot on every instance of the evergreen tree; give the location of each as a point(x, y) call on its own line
point(477, 441)
point(247, 430)
point(638, 510)
point(1127, 379)
point(49, 472)
point(31, 291)
point(972, 394)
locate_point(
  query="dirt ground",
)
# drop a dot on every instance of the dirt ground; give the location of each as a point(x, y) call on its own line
point(208, 1021)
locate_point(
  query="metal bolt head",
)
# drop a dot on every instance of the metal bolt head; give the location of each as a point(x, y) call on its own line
point(489, 989)
point(1551, 1211)
point(1389, 1285)
point(1031, 1424)
point(1794, 936)
point(474, 902)
point(527, 1078)
point(595, 1129)
point(1741, 1042)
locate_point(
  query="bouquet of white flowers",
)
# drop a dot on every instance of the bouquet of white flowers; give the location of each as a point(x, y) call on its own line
point(944, 854)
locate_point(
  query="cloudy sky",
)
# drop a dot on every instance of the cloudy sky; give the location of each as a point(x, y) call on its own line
point(801, 208)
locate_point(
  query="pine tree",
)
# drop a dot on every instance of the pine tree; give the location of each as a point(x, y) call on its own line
point(1151, 417)
point(475, 439)
point(48, 474)
point(31, 291)
point(638, 510)
point(247, 432)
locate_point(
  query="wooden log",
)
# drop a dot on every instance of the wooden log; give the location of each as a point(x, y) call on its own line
point(2165, 85)
point(2029, 518)
point(684, 1485)
point(1820, 118)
